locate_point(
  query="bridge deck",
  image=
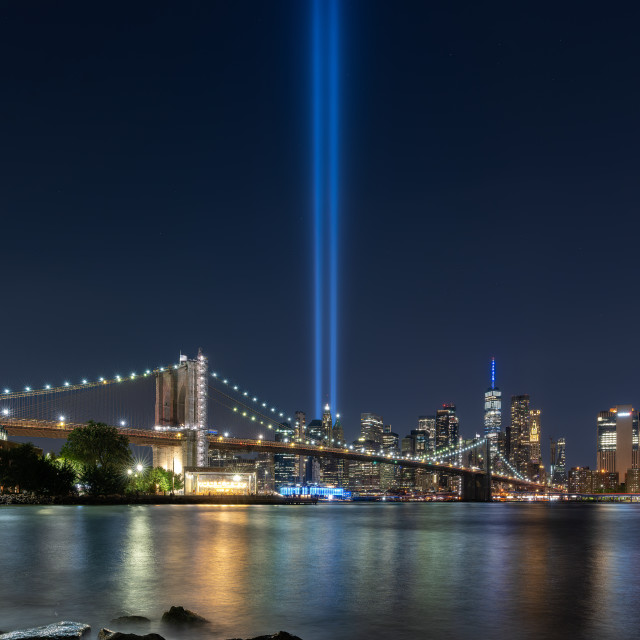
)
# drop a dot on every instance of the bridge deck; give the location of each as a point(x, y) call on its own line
point(148, 437)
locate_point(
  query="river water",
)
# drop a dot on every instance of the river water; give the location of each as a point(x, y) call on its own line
point(330, 571)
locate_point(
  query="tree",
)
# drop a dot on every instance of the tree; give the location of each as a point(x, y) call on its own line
point(23, 469)
point(154, 480)
point(102, 454)
point(98, 445)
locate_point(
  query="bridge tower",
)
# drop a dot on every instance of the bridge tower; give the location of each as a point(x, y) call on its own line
point(181, 403)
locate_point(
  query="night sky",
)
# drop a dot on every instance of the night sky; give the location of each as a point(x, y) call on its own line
point(156, 194)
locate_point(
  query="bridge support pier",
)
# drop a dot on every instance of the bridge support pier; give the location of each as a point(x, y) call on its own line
point(179, 456)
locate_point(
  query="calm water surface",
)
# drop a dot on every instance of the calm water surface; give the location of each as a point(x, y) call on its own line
point(330, 571)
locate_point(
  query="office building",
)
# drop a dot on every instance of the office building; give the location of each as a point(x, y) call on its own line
point(493, 410)
point(371, 427)
point(286, 469)
point(535, 455)
point(560, 469)
point(447, 426)
point(581, 480)
point(617, 431)
point(428, 425)
point(519, 432)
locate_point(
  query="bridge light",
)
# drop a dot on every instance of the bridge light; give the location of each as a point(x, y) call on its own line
point(255, 399)
point(281, 415)
point(264, 404)
point(225, 381)
point(246, 393)
point(235, 408)
point(215, 375)
point(235, 388)
point(273, 409)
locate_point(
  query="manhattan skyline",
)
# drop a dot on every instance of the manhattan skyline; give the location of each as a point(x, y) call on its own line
point(157, 180)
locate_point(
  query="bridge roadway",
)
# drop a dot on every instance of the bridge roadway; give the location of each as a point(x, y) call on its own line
point(147, 437)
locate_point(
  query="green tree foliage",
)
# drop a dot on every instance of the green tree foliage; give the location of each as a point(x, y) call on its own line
point(154, 480)
point(101, 455)
point(97, 445)
point(23, 469)
point(103, 480)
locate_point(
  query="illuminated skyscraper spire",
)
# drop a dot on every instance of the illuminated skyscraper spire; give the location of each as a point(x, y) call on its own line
point(493, 410)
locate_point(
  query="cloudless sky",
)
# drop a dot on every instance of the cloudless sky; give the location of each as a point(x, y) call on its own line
point(156, 196)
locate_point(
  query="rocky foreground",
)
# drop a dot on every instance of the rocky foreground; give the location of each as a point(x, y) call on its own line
point(176, 617)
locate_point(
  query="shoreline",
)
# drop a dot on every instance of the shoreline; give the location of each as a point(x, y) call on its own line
point(18, 500)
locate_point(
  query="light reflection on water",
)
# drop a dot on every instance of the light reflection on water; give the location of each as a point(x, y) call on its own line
point(330, 571)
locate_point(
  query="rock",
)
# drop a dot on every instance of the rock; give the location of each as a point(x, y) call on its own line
point(55, 631)
point(131, 620)
point(107, 634)
point(182, 616)
point(281, 635)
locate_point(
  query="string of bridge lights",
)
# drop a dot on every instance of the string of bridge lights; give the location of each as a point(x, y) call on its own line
point(83, 384)
point(237, 388)
point(512, 469)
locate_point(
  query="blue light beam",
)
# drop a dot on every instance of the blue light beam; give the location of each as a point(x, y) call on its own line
point(318, 175)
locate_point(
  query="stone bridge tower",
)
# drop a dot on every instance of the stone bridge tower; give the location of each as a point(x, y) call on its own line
point(181, 403)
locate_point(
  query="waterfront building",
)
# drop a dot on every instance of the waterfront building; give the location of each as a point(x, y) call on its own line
point(286, 469)
point(605, 481)
point(617, 432)
point(371, 427)
point(519, 432)
point(364, 476)
point(493, 410)
point(265, 473)
point(581, 480)
point(633, 481)
point(428, 425)
point(215, 481)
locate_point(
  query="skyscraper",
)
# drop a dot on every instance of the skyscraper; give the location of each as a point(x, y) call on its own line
point(285, 464)
point(428, 425)
point(327, 423)
point(560, 471)
point(447, 426)
point(519, 433)
point(371, 427)
point(493, 410)
point(618, 440)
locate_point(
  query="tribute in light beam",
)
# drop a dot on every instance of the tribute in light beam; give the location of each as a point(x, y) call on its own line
point(325, 202)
